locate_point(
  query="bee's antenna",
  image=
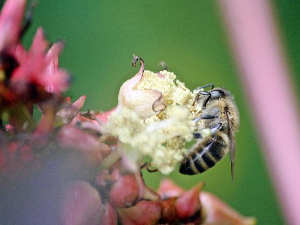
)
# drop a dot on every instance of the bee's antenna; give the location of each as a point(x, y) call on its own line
point(163, 65)
point(206, 85)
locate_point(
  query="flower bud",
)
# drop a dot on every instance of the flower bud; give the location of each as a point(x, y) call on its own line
point(168, 211)
point(188, 207)
point(109, 216)
point(81, 205)
point(143, 213)
point(71, 110)
point(124, 192)
point(73, 138)
point(169, 189)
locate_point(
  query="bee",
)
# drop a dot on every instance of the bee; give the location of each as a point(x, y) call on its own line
point(218, 122)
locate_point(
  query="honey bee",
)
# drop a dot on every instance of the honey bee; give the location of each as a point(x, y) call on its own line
point(218, 122)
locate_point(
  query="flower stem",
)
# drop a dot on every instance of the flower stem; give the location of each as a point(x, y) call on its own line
point(108, 161)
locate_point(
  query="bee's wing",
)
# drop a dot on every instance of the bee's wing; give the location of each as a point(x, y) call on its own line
point(231, 145)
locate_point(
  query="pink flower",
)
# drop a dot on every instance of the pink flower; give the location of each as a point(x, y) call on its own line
point(32, 76)
point(39, 69)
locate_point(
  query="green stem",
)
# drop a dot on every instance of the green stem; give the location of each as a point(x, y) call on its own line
point(21, 119)
point(109, 160)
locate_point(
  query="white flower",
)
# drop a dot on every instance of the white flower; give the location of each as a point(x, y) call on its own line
point(153, 118)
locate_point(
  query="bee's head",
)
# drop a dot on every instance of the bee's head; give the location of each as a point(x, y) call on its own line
point(217, 93)
point(213, 94)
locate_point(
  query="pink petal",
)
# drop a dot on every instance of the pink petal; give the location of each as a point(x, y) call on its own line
point(53, 54)
point(55, 80)
point(103, 116)
point(188, 204)
point(20, 54)
point(78, 104)
point(71, 110)
point(218, 213)
point(39, 44)
point(10, 22)
point(33, 64)
point(145, 103)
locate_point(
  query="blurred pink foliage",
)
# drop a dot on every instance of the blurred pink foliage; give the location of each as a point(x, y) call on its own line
point(62, 169)
point(266, 77)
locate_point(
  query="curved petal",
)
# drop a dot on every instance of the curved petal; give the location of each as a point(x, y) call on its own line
point(145, 103)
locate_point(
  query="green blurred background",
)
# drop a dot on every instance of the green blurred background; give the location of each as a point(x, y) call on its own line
point(101, 37)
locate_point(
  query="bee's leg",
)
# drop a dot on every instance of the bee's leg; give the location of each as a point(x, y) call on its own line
point(197, 135)
point(205, 117)
point(201, 92)
point(216, 128)
point(196, 119)
point(146, 166)
point(208, 117)
point(207, 99)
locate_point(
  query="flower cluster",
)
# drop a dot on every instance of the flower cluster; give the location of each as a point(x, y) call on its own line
point(153, 118)
point(72, 167)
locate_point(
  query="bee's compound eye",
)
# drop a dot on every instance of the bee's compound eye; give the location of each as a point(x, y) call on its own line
point(217, 94)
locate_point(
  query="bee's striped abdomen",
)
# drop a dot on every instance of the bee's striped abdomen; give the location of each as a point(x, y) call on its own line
point(204, 156)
